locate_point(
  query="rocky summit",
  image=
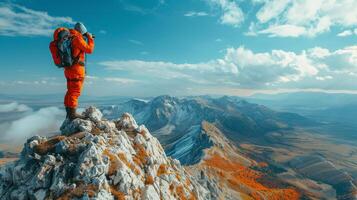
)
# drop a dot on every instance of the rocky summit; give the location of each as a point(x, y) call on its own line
point(95, 158)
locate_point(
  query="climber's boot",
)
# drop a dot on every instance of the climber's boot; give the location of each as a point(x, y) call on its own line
point(67, 112)
point(72, 114)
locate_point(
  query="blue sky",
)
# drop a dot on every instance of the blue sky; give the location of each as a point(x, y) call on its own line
point(186, 47)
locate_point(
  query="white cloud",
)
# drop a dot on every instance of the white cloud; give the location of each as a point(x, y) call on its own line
point(41, 122)
point(41, 82)
point(342, 60)
point(14, 107)
point(103, 32)
point(149, 7)
point(291, 18)
point(137, 42)
point(284, 31)
point(348, 33)
point(274, 66)
point(345, 33)
point(17, 20)
point(248, 69)
point(159, 68)
point(195, 14)
point(239, 66)
point(304, 17)
point(271, 10)
point(123, 81)
point(232, 14)
point(318, 52)
point(322, 78)
point(91, 77)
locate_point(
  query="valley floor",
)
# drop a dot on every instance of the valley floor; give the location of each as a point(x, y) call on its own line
point(327, 166)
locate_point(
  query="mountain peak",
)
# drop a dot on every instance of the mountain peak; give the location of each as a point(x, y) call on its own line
point(96, 158)
point(163, 98)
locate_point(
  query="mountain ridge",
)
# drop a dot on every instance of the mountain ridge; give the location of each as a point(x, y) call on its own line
point(172, 119)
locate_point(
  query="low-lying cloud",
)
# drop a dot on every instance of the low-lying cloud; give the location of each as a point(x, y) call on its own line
point(44, 121)
point(13, 107)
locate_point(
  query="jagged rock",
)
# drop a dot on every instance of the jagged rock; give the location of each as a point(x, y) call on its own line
point(127, 123)
point(19, 194)
point(69, 127)
point(38, 195)
point(150, 193)
point(97, 159)
point(93, 114)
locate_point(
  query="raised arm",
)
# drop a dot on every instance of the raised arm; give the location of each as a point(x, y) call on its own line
point(80, 43)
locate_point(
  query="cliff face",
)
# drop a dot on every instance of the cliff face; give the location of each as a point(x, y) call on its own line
point(97, 159)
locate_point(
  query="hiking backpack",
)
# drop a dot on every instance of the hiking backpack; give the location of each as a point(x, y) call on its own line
point(61, 48)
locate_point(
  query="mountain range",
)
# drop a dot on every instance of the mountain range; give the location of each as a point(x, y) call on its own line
point(232, 147)
point(177, 121)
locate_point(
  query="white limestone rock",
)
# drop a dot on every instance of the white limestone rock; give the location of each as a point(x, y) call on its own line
point(77, 125)
point(150, 193)
point(127, 123)
point(93, 114)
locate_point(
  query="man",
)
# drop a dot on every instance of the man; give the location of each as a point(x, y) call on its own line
point(75, 74)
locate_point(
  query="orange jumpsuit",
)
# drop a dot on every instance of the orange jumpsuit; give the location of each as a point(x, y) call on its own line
point(75, 74)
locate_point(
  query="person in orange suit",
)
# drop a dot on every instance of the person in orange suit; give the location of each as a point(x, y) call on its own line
point(75, 74)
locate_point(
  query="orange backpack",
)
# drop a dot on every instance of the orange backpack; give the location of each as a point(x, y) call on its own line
point(61, 48)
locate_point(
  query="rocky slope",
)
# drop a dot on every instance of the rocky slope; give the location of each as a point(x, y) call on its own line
point(98, 159)
point(229, 174)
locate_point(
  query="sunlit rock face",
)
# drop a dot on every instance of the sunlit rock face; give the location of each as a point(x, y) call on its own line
point(95, 158)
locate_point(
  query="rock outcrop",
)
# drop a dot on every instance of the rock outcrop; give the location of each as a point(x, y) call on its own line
point(95, 158)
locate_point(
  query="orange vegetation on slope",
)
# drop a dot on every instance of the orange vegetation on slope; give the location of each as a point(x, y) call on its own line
point(240, 177)
point(123, 158)
point(114, 162)
point(179, 193)
point(149, 180)
point(49, 145)
point(79, 191)
point(116, 193)
point(141, 155)
point(162, 170)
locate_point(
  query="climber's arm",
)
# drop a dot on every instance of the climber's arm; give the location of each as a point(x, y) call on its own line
point(83, 45)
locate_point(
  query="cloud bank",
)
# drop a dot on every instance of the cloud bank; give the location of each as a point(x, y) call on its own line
point(14, 107)
point(312, 68)
point(41, 122)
